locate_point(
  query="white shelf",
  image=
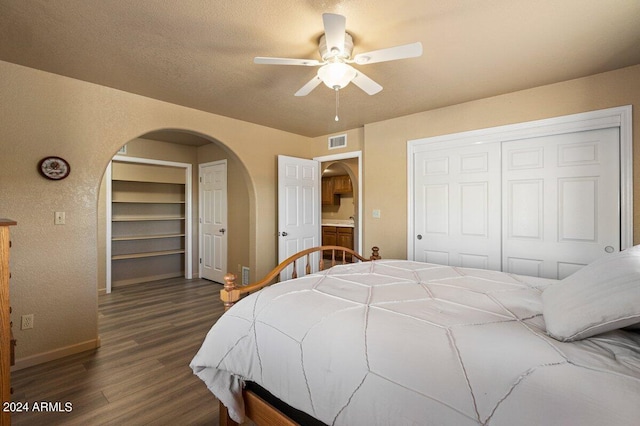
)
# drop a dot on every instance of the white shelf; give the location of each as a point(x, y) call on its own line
point(146, 202)
point(145, 237)
point(145, 181)
point(144, 218)
point(146, 254)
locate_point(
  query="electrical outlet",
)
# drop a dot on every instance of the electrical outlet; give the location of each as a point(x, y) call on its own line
point(27, 322)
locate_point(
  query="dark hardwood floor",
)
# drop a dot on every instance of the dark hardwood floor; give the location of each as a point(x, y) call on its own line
point(140, 375)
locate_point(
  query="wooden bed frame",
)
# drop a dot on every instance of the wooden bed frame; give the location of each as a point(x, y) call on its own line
point(257, 409)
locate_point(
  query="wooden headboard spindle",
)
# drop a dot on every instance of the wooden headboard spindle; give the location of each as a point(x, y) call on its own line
point(294, 275)
point(232, 293)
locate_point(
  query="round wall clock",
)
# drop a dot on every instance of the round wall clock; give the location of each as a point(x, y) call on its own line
point(54, 168)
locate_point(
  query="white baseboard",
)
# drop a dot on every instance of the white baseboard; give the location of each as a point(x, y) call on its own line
point(41, 358)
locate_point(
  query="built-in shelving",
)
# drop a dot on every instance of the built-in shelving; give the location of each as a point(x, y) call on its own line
point(148, 222)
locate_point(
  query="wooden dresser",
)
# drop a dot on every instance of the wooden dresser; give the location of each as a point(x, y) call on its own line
point(6, 343)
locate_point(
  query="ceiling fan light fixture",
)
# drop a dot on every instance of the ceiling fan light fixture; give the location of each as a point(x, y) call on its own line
point(335, 47)
point(336, 75)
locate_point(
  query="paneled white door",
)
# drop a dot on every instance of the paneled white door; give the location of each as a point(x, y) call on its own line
point(457, 206)
point(561, 204)
point(298, 210)
point(213, 221)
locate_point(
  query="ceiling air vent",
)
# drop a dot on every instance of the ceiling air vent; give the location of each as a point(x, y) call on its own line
point(339, 141)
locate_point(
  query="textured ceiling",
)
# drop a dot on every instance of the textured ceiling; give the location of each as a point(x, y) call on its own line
point(200, 53)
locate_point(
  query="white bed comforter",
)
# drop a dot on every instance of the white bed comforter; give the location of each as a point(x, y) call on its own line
point(401, 342)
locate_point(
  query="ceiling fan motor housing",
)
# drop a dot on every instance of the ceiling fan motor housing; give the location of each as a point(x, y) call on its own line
point(327, 55)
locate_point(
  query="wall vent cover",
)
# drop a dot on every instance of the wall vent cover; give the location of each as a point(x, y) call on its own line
point(339, 141)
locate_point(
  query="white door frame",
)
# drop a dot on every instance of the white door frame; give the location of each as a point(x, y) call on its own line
point(200, 213)
point(188, 253)
point(347, 156)
point(620, 117)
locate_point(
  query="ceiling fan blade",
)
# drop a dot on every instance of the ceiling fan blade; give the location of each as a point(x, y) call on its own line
point(411, 50)
point(286, 61)
point(366, 84)
point(307, 88)
point(334, 29)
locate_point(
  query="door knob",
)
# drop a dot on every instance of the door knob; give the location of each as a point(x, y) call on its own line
point(284, 234)
point(419, 237)
point(609, 249)
point(222, 230)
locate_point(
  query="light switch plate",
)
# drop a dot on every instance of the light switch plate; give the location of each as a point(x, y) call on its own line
point(59, 218)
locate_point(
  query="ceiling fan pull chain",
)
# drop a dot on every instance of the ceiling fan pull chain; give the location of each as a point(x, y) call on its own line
point(337, 102)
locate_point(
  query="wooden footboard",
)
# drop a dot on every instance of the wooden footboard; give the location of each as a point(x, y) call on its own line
point(232, 292)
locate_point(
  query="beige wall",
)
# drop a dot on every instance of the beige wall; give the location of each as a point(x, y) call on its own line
point(54, 268)
point(385, 143)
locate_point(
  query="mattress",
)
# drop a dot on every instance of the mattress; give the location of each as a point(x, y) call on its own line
point(401, 342)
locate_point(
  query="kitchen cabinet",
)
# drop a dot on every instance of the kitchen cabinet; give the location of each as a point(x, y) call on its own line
point(329, 236)
point(329, 198)
point(337, 236)
point(333, 187)
point(344, 237)
point(342, 184)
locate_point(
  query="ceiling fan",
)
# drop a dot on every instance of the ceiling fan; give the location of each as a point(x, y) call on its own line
point(335, 48)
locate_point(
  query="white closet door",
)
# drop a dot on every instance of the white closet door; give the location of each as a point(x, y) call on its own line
point(561, 204)
point(457, 206)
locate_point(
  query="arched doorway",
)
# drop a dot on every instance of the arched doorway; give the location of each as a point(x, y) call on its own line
point(192, 148)
point(345, 207)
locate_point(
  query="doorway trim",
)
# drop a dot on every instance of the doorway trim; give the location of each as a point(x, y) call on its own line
point(347, 156)
point(620, 117)
point(188, 252)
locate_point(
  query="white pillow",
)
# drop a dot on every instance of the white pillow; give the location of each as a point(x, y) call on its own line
point(602, 296)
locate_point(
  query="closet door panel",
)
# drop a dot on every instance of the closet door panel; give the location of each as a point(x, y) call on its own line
point(561, 202)
point(457, 206)
point(578, 209)
point(525, 216)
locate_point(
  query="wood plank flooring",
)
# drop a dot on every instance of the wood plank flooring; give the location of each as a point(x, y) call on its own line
point(140, 375)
